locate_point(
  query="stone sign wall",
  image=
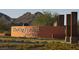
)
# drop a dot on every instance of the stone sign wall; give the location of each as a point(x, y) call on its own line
point(37, 31)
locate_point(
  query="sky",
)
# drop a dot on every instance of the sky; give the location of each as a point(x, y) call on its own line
point(14, 13)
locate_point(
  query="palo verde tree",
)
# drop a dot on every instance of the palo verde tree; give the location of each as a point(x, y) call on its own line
point(47, 18)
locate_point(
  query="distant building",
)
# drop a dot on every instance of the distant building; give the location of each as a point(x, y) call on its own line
point(59, 21)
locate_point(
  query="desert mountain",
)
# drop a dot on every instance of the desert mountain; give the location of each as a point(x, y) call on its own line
point(27, 17)
point(5, 19)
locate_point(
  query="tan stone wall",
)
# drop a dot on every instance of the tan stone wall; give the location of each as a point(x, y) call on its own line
point(37, 31)
point(24, 31)
point(2, 34)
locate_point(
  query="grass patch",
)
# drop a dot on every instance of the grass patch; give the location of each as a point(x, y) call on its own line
point(35, 44)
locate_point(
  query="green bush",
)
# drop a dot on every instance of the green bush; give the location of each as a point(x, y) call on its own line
point(61, 46)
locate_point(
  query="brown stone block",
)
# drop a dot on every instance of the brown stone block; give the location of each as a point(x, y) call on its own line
point(74, 24)
point(60, 20)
